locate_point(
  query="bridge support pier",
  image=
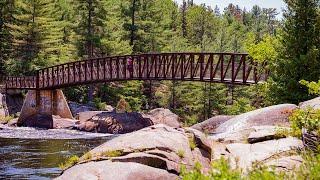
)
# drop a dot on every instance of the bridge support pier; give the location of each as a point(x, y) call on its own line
point(40, 105)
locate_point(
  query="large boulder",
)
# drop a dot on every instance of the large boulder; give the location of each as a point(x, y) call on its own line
point(63, 123)
point(209, 126)
point(76, 108)
point(43, 121)
point(114, 123)
point(107, 170)
point(158, 146)
point(247, 154)
point(84, 116)
point(264, 133)
point(164, 116)
point(270, 116)
point(313, 103)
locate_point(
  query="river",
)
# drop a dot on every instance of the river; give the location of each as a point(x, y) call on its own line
point(28, 153)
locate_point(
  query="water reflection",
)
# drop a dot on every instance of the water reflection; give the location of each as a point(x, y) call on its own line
point(39, 158)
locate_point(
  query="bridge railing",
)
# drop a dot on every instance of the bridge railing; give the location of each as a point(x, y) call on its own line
point(233, 68)
point(23, 82)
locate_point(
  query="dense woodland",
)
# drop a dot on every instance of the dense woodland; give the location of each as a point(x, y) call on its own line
point(41, 33)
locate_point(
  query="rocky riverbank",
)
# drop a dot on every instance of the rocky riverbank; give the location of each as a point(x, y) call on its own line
point(155, 146)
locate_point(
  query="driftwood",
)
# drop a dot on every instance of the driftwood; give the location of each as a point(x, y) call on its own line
point(310, 140)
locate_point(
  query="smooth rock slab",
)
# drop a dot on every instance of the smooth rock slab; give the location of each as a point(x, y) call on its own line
point(107, 170)
point(285, 163)
point(270, 116)
point(264, 133)
point(313, 103)
point(159, 146)
point(157, 137)
point(209, 126)
point(249, 153)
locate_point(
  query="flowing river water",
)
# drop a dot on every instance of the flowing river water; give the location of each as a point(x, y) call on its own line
point(28, 153)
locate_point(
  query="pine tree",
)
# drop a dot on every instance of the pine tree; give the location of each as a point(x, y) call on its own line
point(90, 27)
point(7, 8)
point(299, 57)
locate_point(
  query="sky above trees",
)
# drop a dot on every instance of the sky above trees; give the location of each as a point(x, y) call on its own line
point(248, 4)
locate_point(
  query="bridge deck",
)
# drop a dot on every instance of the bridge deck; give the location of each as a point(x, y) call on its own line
point(229, 68)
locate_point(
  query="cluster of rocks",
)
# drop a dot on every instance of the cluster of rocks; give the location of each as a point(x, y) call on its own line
point(155, 152)
point(155, 146)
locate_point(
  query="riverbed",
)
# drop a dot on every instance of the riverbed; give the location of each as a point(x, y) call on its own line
point(28, 153)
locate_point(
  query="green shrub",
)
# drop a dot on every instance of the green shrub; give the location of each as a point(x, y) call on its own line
point(192, 143)
point(263, 173)
point(114, 153)
point(99, 104)
point(70, 162)
point(181, 153)
point(219, 170)
point(309, 119)
point(87, 156)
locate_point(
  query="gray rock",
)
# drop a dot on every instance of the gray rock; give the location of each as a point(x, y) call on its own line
point(209, 126)
point(164, 116)
point(64, 123)
point(159, 146)
point(77, 108)
point(114, 123)
point(43, 121)
point(240, 136)
point(285, 163)
point(107, 170)
point(270, 116)
point(84, 116)
point(247, 154)
point(13, 122)
point(313, 103)
point(264, 133)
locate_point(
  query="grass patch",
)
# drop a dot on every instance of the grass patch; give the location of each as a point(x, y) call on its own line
point(6, 119)
point(220, 169)
point(87, 156)
point(69, 162)
point(181, 153)
point(192, 143)
point(115, 153)
point(282, 133)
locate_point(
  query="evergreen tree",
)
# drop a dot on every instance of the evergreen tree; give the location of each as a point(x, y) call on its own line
point(37, 35)
point(90, 27)
point(7, 8)
point(299, 57)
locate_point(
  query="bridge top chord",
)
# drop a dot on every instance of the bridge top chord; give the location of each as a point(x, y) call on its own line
point(228, 68)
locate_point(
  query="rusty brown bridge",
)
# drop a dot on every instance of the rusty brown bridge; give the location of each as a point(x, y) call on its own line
point(45, 97)
point(229, 68)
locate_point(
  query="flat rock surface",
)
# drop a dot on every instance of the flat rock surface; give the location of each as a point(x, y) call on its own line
point(159, 137)
point(77, 108)
point(313, 103)
point(107, 170)
point(209, 126)
point(285, 163)
point(270, 116)
point(264, 133)
point(249, 153)
point(63, 123)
